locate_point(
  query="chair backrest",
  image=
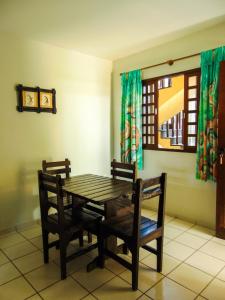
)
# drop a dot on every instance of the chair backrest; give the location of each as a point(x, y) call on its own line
point(51, 184)
point(145, 190)
point(57, 167)
point(124, 170)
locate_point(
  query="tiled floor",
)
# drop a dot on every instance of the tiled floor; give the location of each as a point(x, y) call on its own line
point(193, 268)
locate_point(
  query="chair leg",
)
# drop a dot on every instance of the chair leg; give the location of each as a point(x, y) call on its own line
point(159, 253)
point(63, 246)
point(125, 249)
point(89, 237)
point(45, 245)
point(101, 255)
point(81, 239)
point(135, 268)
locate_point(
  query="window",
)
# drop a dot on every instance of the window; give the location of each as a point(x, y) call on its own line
point(170, 112)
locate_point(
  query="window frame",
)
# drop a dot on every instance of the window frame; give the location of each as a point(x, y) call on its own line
point(154, 81)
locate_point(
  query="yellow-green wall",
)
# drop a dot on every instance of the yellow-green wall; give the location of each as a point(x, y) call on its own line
point(80, 130)
point(186, 197)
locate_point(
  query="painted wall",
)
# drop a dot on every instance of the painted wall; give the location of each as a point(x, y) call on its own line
point(80, 130)
point(186, 197)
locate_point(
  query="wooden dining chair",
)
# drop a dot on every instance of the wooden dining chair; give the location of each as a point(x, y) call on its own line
point(66, 225)
point(57, 167)
point(63, 168)
point(135, 230)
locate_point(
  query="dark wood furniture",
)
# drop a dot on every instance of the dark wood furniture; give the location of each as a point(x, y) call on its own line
point(67, 225)
point(135, 230)
point(57, 167)
point(102, 191)
point(63, 168)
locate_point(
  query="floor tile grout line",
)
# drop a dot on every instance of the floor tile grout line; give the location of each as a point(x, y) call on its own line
point(215, 277)
point(164, 276)
point(95, 288)
point(22, 275)
point(181, 262)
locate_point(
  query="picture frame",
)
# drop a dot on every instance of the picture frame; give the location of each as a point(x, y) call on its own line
point(36, 99)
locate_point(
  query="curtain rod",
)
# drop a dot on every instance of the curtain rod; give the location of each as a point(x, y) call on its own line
point(170, 62)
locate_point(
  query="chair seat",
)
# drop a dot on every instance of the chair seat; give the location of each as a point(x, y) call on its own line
point(122, 226)
point(69, 223)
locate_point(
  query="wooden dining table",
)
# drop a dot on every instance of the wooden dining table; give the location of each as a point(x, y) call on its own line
point(100, 194)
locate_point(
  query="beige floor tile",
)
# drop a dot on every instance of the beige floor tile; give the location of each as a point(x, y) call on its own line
point(29, 262)
point(92, 280)
point(148, 213)
point(44, 276)
point(167, 289)
point(147, 277)
point(17, 289)
point(35, 297)
point(169, 263)
point(114, 266)
point(215, 290)
point(116, 288)
point(168, 219)
point(37, 242)
point(10, 239)
point(190, 277)
point(205, 263)
point(221, 275)
point(153, 243)
point(214, 249)
point(78, 263)
point(31, 232)
point(178, 251)
point(65, 289)
point(3, 258)
point(171, 232)
point(8, 272)
point(200, 231)
point(180, 224)
point(219, 241)
point(19, 250)
point(200, 298)
point(89, 297)
point(191, 240)
point(144, 297)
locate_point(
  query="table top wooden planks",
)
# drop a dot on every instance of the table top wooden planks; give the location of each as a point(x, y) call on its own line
point(95, 188)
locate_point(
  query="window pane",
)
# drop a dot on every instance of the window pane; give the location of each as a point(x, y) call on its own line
point(151, 140)
point(144, 100)
point(151, 129)
point(144, 120)
point(144, 130)
point(192, 93)
point(192, 105)
point(144, 110)
point(144, 139)
point(192, 129)
point(192, 81)
point(192, 117)
point(144, 89)
point(151, 119)
point(192, 141)
point(151, 99)
point(151, 109)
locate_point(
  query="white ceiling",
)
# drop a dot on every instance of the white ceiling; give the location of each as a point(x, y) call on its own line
point(108, 28)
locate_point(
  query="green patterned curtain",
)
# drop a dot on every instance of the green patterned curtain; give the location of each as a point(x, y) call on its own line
point(208, 114)
point(131, 118)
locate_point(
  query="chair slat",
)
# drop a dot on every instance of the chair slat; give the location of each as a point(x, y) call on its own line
point(119, 165)
point(122, 174)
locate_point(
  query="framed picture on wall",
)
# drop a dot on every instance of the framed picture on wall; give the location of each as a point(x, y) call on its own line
point(36, 99)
